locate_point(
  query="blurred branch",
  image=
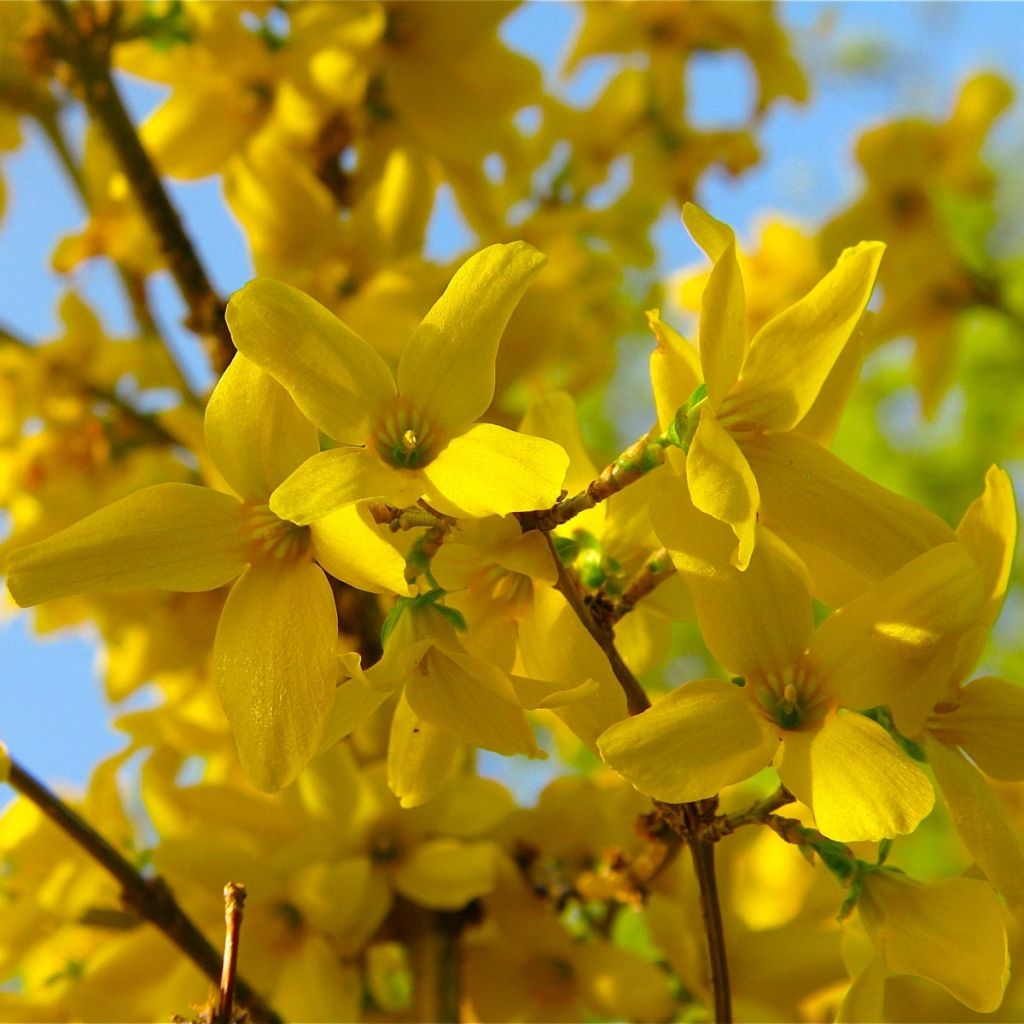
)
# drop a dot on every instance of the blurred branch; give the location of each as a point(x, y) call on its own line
point(657, 568)
point(151, 899)
point(83, 40)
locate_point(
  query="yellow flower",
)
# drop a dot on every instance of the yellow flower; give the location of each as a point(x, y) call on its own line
point(413, 435)
point(274, 653)
point(878, 649)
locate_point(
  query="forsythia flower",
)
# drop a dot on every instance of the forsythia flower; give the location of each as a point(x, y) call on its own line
point(274, 653)
point(412, 435)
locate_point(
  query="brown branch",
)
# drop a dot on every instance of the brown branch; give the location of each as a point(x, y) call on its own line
point(656, 570)
point(234, 903)
point(643, 455)
point(83, 41)
point(756, 814)
point(151, 899)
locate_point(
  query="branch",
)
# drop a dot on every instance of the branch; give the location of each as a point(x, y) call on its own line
point(656, 570)
point(84, 42)
point(151, 899)
point(234, 902)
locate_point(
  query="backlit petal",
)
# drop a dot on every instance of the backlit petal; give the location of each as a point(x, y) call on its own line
point(810, 495)
point(447, 366)
point(490, 470)
point(722, 483)
point(340, 477)
point(353, 549)
point(255, 433)
point(675, 369)
point(336, 378)
point(275, 668)
point(792, 355)
point(699, 738)
point(421, 756)
point(171, 536)
point(859, 784)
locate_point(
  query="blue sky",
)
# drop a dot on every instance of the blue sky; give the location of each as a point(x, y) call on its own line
point(51, 712)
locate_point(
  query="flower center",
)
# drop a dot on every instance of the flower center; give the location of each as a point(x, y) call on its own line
point(404, 439)
point(791, 698)
point(273, 538)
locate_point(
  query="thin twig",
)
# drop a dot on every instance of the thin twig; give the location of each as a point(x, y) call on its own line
point(234, 903)
point(756, 814)
point(84, 42)
point(151, 899)
point(657, 568)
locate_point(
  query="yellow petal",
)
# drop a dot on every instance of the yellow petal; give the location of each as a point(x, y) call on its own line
point(710, 234)
point(275, 668)
point(339, 477)
point(810, 495)
point(314, 984)
point(699, 544)
point(472, 699)
point(445, 874)
point(691, 743)
point(172, 536)
point(864, 1002)
point(619, 985)
point(760, 620)
point(352, 548)
point(354, 701)
point(980, 818)
point(553, 416)
point(722, 483)
point(792, 355)
point(447, 366)
point(987, 722)
point(881, 647)
point(335, 378)
point(254, 431)
point(859, 784)
point(989, 531)
point(490, 470)
point(421, 756)
point(950, 932)
point(675, 369)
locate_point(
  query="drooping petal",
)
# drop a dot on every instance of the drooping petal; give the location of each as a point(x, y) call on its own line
point(760, 620)
point(699, 544)
point(352, 548)
point(989, 531)
point(722, 483)
point(447, 366)
point(691, 743)
point(950, 932)
point(275, 668)
point(471, 699)
point(987, 722)
point(355, 699)
point(865, 999)
point(171, 536)
point(421, 756)
point(490, 470)
point(255, 433)
point(554, 416)
point(791, 356)
point(723, 308)
point(675, 369)
point(980, 818)
point(445, 874)
point(881, 647)
point(855, 778)
point(336, 378)
point(810, 495)
point(342, 476)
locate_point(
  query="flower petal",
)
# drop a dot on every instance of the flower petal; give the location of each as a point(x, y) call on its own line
point(352, 548)
point(699, 544)
point(809, 495)
point(445, 874)
point(760, 620)
point(275, 668)
point(675, 369)
point(722, 483)
point(858, 783)
point(980, 818)
point(421, 756)
point(172, 536)
point(892, 644)
point(691, 743)
point(255, 433)
point(490, 470)
point(447, 366)
point(950, 932)
point(471, 699)
point(792, 355)
point(987, 722)
point(342, 476)
point(336, 378)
